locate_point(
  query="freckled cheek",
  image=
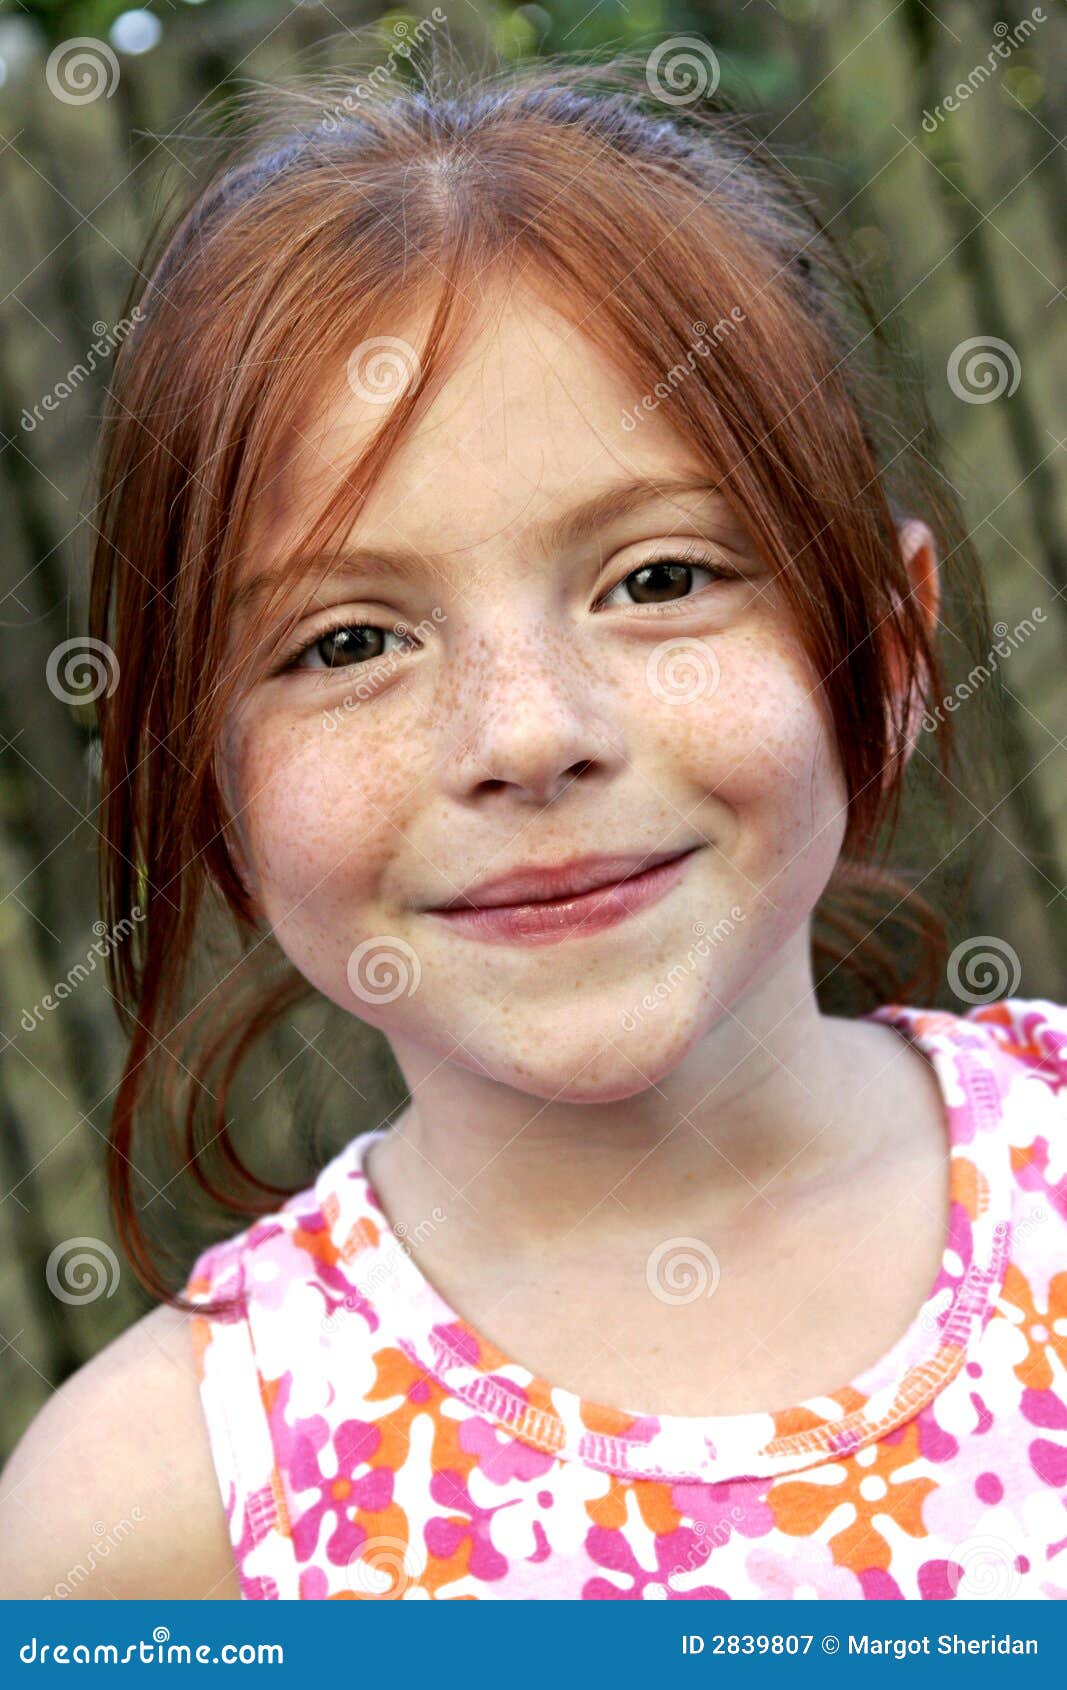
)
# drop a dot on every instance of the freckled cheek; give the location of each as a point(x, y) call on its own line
point(325, 814)
point(752, 739)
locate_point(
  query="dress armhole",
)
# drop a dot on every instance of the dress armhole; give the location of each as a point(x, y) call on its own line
point(239, 1436)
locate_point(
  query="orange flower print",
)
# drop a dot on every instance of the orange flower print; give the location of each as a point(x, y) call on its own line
point(867, 1483)
point(1045, 1329)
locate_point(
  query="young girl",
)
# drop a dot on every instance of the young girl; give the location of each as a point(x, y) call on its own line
point(526, 603)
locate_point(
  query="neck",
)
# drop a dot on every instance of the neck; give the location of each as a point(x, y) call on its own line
point(768, 1100)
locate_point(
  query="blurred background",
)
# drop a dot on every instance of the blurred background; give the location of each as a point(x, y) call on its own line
point(932, 134)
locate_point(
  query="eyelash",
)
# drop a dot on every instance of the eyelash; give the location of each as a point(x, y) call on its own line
point(691, 558)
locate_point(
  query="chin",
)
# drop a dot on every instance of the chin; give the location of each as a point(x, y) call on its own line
point(588, 1071)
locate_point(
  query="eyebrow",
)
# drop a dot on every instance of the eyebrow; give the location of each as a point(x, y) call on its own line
point(562, 533)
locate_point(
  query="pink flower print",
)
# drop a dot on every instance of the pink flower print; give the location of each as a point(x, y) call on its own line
point(733, 1505)
point(976, 1480)
point(444, 1536)
point(313, 1585)
point(561, 1521)
point(500, 1456)
point(341, 1494)
point(676, 1553)
point(1045, 1408)
point(1034, 1175)
point(277, 1259)
point(349, 1301)
point(1049, 1461)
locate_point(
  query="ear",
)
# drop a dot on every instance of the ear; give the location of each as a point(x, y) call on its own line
point(918, 550)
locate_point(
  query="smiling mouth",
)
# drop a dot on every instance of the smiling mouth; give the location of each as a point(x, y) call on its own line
point(570, 915)
point(554, 883)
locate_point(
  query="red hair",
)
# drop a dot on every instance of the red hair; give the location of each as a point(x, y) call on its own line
point(336, 215)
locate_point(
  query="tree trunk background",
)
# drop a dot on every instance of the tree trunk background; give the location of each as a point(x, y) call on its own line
point(960, 232)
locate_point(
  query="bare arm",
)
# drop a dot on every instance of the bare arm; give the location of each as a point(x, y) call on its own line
point(111, 1491)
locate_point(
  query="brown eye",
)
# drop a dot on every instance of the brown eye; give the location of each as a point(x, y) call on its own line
point(339, 647)
point(656, 583)
point(666, 579)
point(345, 646)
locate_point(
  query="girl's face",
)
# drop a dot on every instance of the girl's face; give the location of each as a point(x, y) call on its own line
point(544, 701)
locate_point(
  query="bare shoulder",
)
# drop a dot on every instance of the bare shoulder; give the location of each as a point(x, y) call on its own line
point(111, 1491)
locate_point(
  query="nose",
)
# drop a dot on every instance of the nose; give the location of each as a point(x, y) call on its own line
point(529, 718)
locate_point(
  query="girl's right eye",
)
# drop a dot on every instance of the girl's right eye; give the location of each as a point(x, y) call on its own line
point(343, 645)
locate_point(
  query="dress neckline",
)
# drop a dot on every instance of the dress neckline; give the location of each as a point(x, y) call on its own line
point(406, 1306)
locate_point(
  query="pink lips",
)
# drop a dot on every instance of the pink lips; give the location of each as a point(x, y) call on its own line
point(547, 919)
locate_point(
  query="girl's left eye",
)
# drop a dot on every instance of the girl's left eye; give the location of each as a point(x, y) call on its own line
point(666, 579)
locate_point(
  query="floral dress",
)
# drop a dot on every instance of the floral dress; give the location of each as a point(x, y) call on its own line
point(370, 1443)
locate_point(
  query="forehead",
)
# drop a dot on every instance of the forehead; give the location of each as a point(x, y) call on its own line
point(528, 419)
